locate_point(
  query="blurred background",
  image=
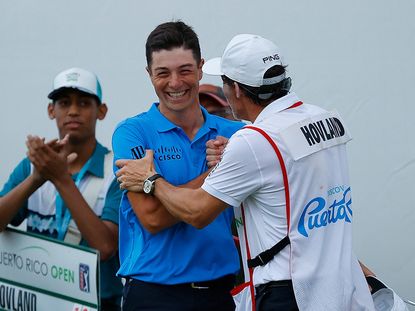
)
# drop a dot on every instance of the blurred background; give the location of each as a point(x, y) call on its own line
point(353, 56)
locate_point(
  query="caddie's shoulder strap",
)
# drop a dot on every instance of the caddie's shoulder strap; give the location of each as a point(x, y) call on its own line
point(267, 255)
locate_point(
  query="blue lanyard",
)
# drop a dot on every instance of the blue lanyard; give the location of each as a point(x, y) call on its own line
point(63, 215)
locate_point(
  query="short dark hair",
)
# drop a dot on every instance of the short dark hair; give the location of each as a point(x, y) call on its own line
point(171, 35)
point(265, 94)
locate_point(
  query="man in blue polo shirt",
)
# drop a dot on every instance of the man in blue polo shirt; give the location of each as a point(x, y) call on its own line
point(169, 264)
point(65, 188)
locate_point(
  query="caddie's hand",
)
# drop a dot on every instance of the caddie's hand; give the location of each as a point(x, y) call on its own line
point(214, 150)
point(132, 173)
point(49, 159)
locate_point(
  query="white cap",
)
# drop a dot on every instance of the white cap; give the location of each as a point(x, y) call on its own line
point(245, 60)
point(77, 78)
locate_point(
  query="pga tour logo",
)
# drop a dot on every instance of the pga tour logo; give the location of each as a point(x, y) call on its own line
point(84, 278)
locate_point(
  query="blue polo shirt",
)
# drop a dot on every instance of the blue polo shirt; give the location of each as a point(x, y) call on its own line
point(45, 224)
point(181, 253)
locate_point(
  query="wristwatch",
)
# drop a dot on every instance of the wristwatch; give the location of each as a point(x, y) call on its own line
point(149, 184)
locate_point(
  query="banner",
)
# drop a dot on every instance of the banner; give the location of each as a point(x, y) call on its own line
point(38, 273)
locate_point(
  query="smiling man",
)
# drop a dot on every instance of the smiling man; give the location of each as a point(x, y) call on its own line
point(171, 265)
point(73, 201)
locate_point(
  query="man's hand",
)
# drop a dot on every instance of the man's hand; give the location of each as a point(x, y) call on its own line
point(132, 173)
point(214, 150)
point(49, 159)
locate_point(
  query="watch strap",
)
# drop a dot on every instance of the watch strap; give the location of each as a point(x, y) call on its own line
point(150, 180)
point(154, 177)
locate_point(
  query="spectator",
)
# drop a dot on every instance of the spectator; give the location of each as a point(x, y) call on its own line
point(214, 101)
point(65, 188)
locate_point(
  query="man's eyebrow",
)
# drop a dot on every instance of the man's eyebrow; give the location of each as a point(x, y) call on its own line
point(180, 67)
point(186, 65)
point(160, 68)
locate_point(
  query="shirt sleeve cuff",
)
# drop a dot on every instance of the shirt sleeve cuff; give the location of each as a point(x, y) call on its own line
point(219, 195)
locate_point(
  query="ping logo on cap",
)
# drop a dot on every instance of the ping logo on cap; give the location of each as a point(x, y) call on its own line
point(73, 76)
point(271, 58)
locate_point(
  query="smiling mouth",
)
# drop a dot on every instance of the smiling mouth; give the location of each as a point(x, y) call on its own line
point(176, 94)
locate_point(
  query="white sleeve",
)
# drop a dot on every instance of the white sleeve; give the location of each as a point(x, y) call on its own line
point(239, 173)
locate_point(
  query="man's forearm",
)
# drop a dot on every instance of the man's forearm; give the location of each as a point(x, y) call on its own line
point(14, 200)
point(197, 182)
point(194, 206)
point(152, 214)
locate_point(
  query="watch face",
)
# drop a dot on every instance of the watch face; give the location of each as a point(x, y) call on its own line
point(147, 186)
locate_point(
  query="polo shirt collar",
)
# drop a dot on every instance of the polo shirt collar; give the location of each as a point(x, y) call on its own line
point(277, 106)
point(209, 125)
point(210, 122)
point(96, 164)
point(165, 125)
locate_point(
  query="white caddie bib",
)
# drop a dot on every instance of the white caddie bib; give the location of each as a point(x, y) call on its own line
point(324, 271)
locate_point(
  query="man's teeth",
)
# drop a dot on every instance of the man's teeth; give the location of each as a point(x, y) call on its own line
point(176, 94)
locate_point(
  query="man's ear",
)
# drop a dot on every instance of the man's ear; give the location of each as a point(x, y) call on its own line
point(148, 71)
point(51, 111)
point(237, 90)
point(202, 62)
point(102, 111)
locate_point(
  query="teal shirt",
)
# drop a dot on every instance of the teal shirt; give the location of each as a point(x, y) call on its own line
point(111, 286)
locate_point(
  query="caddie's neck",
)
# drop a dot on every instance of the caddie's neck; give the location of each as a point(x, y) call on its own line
point(243, 107)
point(253, 111)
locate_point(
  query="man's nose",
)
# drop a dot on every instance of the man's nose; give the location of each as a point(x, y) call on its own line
point(175, 80)
point(73, 108)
